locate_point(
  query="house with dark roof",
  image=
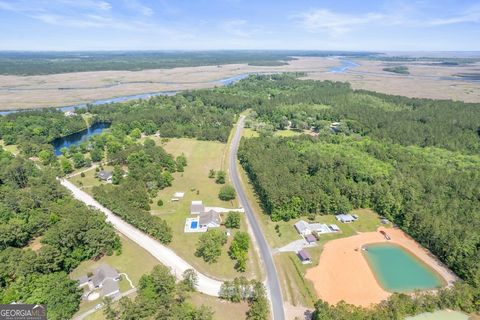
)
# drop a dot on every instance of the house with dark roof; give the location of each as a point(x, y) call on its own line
point(106, 278)
point(210, 219)
point(105, 176)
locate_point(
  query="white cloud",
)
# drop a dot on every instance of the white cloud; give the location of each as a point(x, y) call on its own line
point(139, 7)
point(470, 15)
point(324, 20)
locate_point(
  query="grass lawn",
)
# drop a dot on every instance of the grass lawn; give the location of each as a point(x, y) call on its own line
point(201, 157)
point(224, 310)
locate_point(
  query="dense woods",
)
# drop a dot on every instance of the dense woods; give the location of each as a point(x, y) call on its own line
point(32, 131)
point(148, 169)
point(172, 116)
point(35, 208)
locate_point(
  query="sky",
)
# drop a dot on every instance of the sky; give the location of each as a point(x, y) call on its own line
point(368, 25)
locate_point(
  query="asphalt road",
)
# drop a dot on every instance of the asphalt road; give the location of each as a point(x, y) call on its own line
point(273, 285)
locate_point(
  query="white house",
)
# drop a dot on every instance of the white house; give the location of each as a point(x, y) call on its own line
point(304, 228)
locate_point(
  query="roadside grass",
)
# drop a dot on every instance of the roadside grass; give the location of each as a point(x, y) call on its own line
point(201, 157)
point(250, 133)
point(224, 310)
point(133, 260)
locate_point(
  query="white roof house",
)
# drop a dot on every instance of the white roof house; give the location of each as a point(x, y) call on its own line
point(179, 195)
point(304, 228)
point(345, 218)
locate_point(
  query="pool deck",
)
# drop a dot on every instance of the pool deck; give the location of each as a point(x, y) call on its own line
point(344, 274)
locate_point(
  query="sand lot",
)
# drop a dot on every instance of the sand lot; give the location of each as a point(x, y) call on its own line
point(425, 81)
point(344, 274)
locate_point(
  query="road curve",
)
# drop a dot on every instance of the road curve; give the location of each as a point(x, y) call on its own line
point(163, 254)
point(273, 285)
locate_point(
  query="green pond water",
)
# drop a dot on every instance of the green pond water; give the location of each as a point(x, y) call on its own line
point(398, 270)
point(440, 315)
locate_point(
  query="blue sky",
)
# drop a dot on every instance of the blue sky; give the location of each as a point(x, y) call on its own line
point(382, 25)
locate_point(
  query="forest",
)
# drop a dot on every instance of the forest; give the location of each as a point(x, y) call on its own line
point(34, 207)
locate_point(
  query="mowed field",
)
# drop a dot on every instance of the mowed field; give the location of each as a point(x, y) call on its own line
point(424, 81)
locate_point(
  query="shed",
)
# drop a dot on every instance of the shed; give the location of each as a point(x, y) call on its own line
point(310, 238)
point(304, 256)
point(179, 195)
point(197, 207)
point(345, 218)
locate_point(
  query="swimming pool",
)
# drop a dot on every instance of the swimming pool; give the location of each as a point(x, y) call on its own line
point(398, 270)
point(194, 225)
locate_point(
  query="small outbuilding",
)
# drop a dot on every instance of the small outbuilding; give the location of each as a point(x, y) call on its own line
point(197, 207)
point(345, 218)
point(310, 238)
point(304, 257)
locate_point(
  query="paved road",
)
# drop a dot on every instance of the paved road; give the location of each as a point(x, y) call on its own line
point(163, 254)
point(273, 285)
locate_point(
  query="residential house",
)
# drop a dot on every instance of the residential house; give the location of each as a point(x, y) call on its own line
point(105, 176)
point(210, 219)
point(106, 278)
point(304, 228)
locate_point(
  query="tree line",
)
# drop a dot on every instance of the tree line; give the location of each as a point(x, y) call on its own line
point(33, 206)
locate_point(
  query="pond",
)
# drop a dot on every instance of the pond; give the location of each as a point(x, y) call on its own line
point(440, 315)
point(398, 270)
point(76, 138)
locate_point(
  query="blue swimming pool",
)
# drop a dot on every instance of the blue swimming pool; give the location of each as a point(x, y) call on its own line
point(194, 225)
